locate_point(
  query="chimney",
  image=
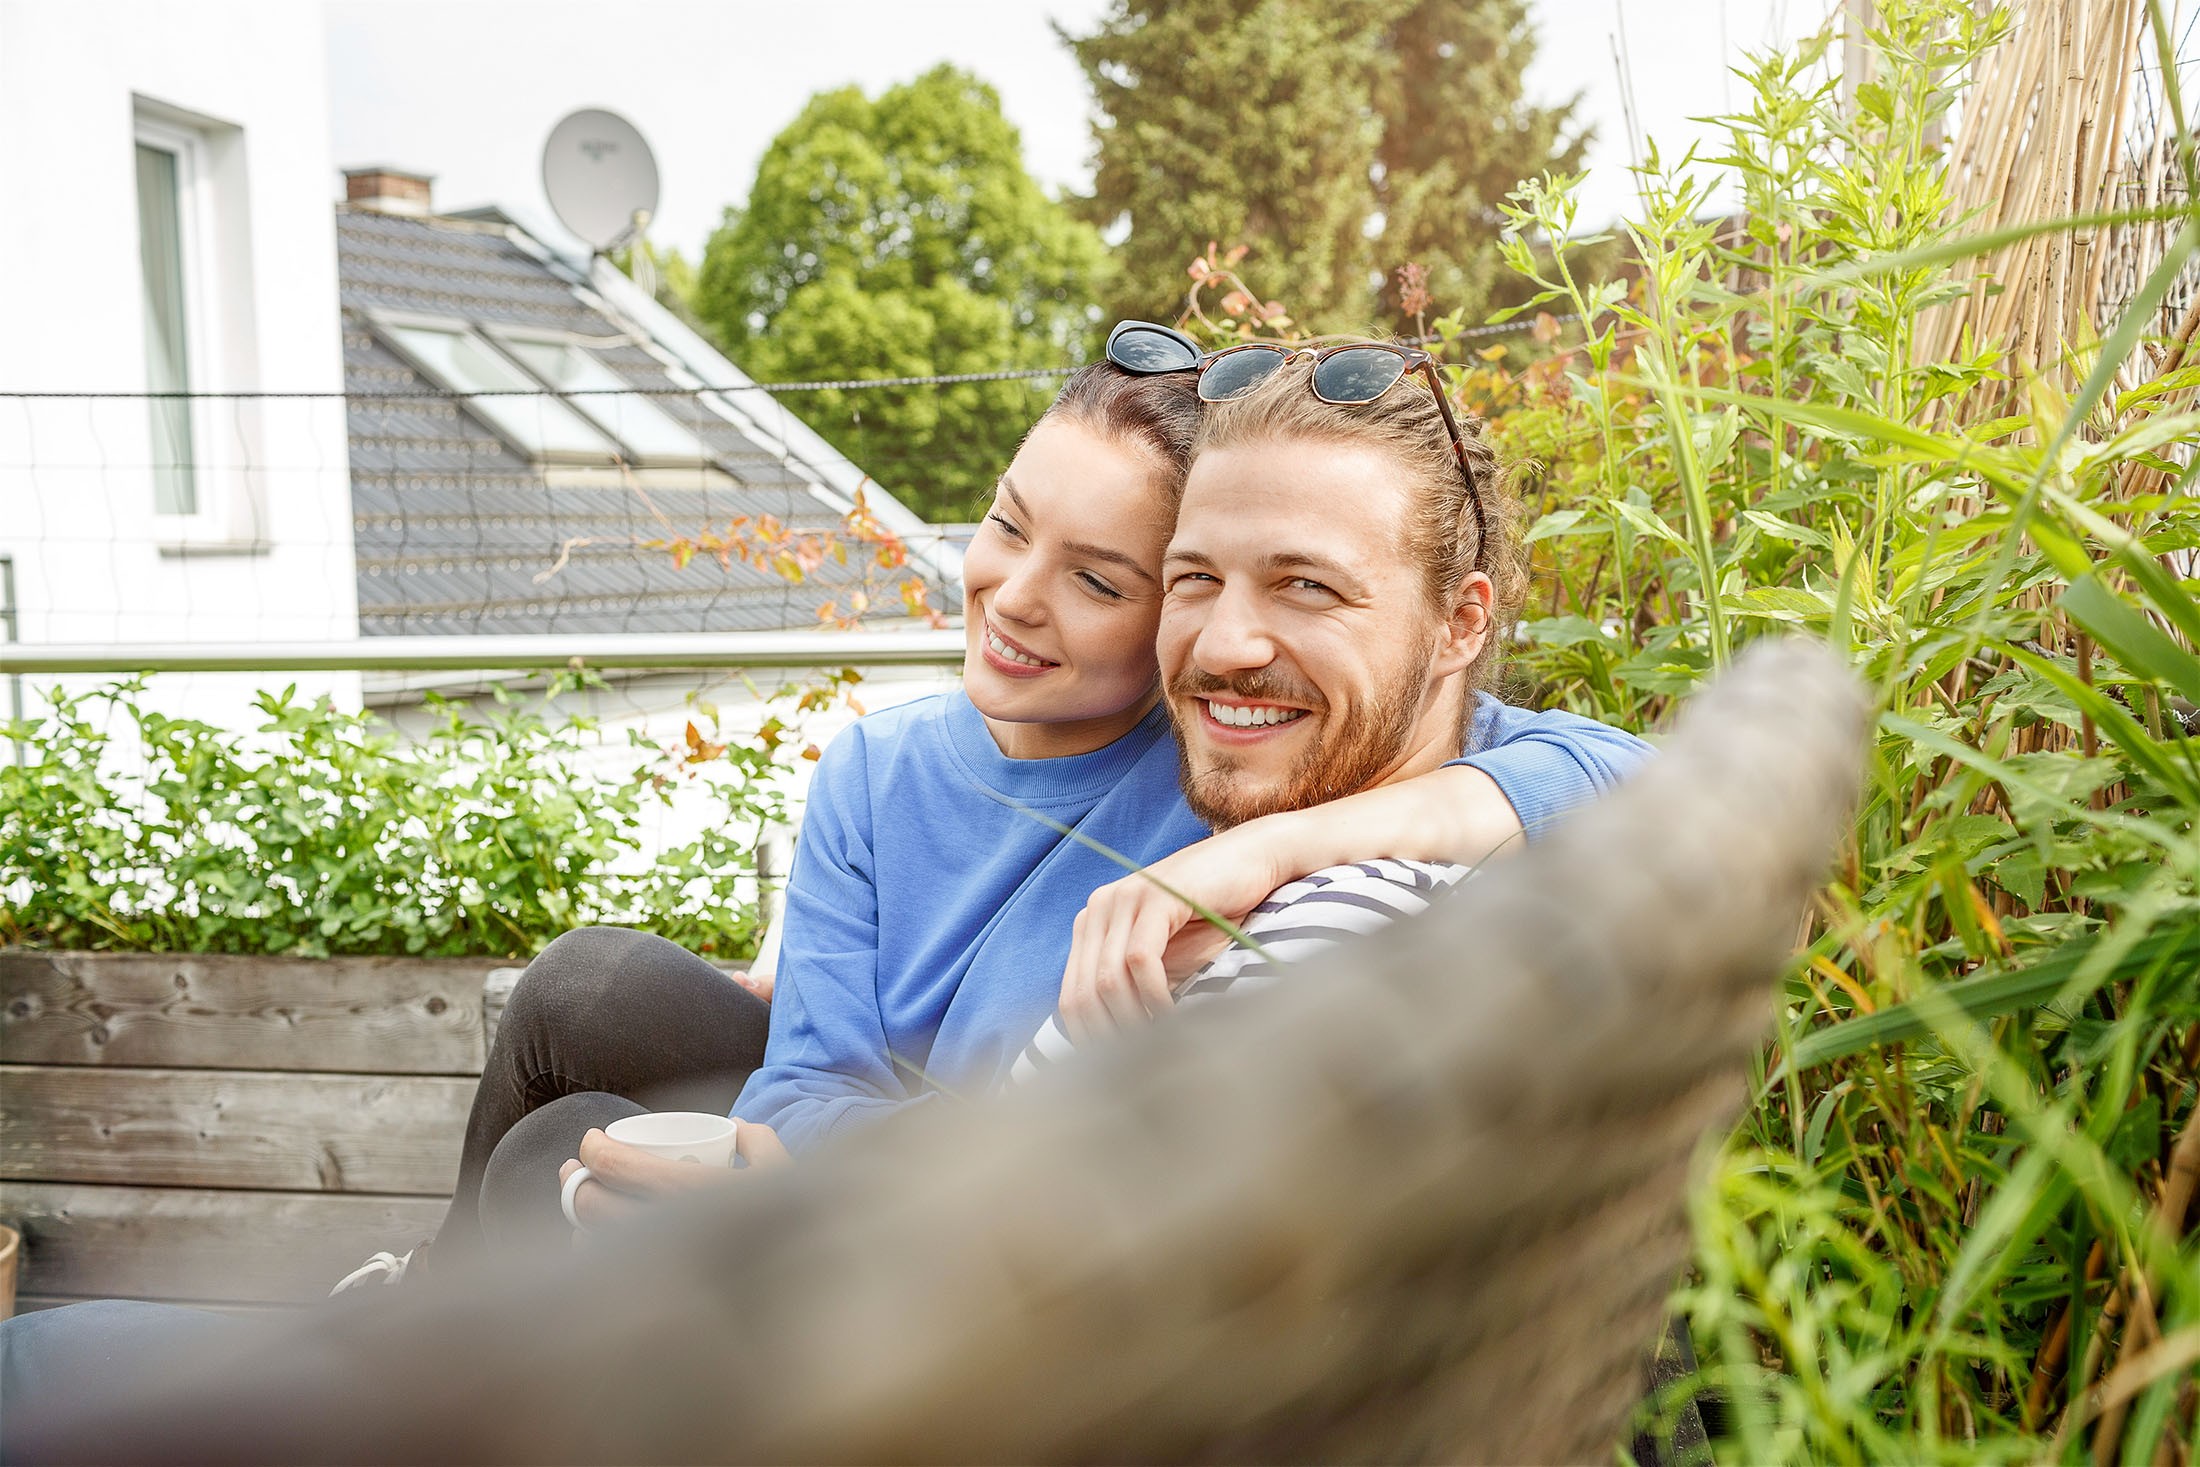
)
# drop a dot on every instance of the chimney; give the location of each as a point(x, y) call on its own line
point(389, 191)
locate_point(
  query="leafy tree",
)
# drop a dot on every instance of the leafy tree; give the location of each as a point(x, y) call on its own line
point(1339, 139)
point(902, 236)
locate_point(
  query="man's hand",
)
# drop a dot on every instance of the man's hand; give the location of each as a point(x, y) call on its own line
point(1134, 941)
point(624, 1177)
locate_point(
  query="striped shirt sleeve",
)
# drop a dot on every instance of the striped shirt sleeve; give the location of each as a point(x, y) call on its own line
point(1296, 921)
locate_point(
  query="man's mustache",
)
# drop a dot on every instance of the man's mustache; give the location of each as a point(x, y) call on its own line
point(1257, 685)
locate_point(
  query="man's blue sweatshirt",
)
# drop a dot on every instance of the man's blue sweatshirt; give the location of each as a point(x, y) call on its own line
point(928, 913)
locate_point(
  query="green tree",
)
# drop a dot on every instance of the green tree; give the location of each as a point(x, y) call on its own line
point(1338, 139)
point(902, 236)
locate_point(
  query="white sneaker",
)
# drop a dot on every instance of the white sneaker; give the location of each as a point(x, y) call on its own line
point(382, 1268)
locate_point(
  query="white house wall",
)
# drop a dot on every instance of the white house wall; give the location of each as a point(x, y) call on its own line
point(93, 563)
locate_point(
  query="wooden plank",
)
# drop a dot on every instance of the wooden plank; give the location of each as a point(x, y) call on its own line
point(233, 1128)
point(373, 1015)
point(32, 1303)
point(175, 1244)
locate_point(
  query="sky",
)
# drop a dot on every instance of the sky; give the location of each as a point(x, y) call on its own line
point(468, 89)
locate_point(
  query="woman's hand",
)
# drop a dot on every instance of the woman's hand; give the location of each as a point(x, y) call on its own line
point(760, 984)
point(623, 1177)
point(1135, 940)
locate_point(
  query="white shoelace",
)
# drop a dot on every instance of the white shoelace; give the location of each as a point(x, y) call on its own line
point(390, 1265)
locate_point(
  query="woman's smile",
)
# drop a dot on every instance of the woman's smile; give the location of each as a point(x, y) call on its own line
point(1010, 657)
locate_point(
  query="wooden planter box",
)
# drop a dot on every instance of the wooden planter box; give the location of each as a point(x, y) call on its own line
point(227, 1130)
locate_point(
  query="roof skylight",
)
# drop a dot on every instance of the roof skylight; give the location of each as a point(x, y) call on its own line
point(648, 430)
point(461, 361)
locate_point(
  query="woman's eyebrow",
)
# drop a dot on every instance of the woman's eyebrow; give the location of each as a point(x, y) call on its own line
point(1090, 551)
point(1112, 557)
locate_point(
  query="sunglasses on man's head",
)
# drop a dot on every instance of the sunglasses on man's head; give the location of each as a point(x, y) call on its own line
point(1346, 374)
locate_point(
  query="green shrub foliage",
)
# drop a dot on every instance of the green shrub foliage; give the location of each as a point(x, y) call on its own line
point(125, 829)
point(1957, 1224)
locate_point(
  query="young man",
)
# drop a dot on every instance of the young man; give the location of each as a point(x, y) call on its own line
point(1334, 595)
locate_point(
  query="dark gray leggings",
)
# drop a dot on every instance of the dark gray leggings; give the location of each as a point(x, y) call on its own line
point(605, 1023)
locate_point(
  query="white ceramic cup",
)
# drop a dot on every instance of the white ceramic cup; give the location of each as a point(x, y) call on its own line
point(676, 1135)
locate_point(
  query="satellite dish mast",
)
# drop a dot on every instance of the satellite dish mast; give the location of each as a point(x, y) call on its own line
point(601, 178)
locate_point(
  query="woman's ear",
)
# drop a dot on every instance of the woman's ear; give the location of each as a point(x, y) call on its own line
point(1467, 630)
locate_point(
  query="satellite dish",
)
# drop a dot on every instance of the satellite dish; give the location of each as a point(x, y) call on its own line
point(600, 176)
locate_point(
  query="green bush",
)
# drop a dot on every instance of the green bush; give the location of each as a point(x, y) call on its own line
point(124, 829)
point(1955, 1225)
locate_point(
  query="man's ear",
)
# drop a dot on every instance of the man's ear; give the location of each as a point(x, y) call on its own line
point(1467, 630)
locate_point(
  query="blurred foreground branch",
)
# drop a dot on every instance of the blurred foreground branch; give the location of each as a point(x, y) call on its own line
point(1425, 1204)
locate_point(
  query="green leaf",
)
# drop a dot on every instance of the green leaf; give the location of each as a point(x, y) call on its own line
point(2133, 640)
point(1559, 522)
point(1649, 523)
point(1785, 603)
point(1788, 530)
point(1991, 994)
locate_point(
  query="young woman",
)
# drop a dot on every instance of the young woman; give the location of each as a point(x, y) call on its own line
point(948, 846)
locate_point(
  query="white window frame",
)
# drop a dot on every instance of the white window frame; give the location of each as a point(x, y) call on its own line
point(215, 519)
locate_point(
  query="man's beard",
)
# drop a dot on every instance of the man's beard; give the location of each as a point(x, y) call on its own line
point(1351, 753)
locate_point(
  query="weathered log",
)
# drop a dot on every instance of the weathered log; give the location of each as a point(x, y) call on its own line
point(1425, 1204)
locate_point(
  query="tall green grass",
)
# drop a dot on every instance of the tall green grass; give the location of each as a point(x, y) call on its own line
point(1955, 1224)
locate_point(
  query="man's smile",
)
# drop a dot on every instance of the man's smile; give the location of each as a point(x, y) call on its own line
point(1234, 721)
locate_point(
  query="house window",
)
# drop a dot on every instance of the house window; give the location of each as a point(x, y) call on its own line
point(515, 404)
point(649, 433)
point(164, 178)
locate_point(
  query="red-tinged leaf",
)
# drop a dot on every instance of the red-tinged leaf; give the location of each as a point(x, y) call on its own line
point(700, 749)
point(1546, 328)
point(683, 551)
point(812, 752)
point(830, 611)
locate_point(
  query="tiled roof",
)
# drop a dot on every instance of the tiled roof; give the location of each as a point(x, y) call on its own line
point(456, 532)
